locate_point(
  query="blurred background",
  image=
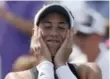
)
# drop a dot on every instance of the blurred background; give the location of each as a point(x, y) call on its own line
point(16, 22)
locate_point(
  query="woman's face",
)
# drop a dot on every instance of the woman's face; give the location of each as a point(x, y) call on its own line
point(53, 29)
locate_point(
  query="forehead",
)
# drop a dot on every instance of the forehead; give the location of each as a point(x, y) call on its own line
point(83, 35)
point(54, 16)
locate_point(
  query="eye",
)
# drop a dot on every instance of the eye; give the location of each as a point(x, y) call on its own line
point(46, 25)
point(61, 27)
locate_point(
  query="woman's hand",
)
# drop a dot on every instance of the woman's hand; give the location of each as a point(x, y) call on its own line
point(40, 49)
point(65, 50)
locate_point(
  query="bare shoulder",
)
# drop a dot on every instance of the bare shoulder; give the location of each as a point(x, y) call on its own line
point(92, 66)
point(91, 70)
point(19, 75)
point(9, 76)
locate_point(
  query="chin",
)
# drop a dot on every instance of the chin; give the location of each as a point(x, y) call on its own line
point(53, 50)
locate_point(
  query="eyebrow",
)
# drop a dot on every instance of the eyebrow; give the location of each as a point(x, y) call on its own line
point(46, 22)
point(63, 23)
point(51, 22)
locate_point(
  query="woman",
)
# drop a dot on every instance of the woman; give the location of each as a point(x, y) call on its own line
point(51, 45)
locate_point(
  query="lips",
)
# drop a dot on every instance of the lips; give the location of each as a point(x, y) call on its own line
point(54, 41)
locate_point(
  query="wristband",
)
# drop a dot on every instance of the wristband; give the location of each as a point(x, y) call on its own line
point(63, 72)
point(45, 70)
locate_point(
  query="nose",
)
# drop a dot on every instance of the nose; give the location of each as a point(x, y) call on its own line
point(54, 32)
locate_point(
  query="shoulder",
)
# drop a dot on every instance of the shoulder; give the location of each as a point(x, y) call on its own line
point(87, 66)
point(92, 66)
point(9, 76)
point(91, 70)
point(19, 75)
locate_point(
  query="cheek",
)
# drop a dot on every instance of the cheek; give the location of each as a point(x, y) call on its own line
point(90, 45)
point(94, 44)
point(44, 33)
point(63, 35)
point(85, 44)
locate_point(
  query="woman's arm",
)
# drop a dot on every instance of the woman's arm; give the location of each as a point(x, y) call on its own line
point(19, 75)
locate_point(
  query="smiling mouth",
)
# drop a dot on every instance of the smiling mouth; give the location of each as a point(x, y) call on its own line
point(54, 41)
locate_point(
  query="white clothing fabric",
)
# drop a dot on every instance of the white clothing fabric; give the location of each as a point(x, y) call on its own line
point(46, 70)
point(63, 72)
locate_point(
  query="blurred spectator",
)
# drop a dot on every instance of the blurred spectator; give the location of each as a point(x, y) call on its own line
point(88, 41)
point(14, 43)
point(103, 8)
point(100, 6)
point(88, 45)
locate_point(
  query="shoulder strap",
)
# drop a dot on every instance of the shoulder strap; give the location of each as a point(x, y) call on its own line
point(34, 73)
point(73, 70)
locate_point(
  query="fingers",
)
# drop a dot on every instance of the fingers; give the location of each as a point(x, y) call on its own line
point(37, 44)
point(69, 39)
point(44, 49)
point(66, 41)
point(39, 41)
point(42, 43)
point(40, 48)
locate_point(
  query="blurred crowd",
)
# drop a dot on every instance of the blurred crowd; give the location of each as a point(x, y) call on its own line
point(91, 42)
